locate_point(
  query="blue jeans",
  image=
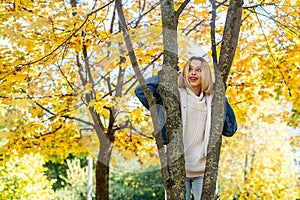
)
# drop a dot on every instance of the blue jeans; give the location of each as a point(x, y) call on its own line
point(193, 185)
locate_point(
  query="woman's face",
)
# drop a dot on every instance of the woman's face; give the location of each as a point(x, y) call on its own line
point(194, 75)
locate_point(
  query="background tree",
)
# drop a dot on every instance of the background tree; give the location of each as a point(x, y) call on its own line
point(75, 181)
point(69, 88)
point(258, 162)
point(21, 179)
point(58, 171)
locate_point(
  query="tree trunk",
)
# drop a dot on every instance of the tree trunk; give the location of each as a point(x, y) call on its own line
point(215, 141)
point(102, 170)
point(102, 181)
point(229, 43)
point(175, 183)
point(172, 161)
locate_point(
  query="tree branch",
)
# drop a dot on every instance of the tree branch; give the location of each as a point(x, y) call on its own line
point(280, 24)
point(97, 122)
point(38, 97)
point(135, 66)
point(181, 8)
point(213, 36)
point(146, 90)
point(141, 16)
point(144, 69)
point(57, 115)
point(194, 27)
point(112, 20)
point(80, 120)
point(64, 42)
point(229, 43)
point(272, 56)
point(230, 37)
point(141, 133)
point(62, 73)
point(49, 133)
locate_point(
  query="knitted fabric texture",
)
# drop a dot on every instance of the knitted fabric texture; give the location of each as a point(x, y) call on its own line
point(196, 119)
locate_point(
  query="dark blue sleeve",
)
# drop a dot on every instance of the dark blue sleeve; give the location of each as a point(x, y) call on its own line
point(152, 84)
point(230, 124)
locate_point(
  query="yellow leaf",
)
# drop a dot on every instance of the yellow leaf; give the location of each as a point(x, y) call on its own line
point(200, 1)
point(87, 88)
point(92, 103)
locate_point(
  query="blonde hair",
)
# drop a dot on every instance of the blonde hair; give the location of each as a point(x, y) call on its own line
point(206, 79)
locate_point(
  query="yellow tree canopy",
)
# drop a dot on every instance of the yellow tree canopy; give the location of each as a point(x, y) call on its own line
point(258, 162)
point(55, 53)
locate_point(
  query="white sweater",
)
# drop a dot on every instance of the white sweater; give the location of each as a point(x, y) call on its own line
point(196, 122)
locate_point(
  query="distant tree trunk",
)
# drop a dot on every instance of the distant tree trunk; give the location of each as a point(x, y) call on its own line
point(106, 144)
point(106, 138)
point(175, 183)
point(221, 68)
point(102, 181)
point(102, 170)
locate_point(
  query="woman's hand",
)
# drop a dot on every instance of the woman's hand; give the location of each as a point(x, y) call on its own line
point(179, 71)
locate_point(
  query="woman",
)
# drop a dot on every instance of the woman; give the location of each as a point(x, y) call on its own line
point(195, 88)
point(196, 94)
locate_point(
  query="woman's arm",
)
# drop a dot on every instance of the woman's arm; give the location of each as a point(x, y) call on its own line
point(230, 125)
point(152, 84)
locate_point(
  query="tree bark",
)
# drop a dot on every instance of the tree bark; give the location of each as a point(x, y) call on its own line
point(102, 181)
point(106, 138)
point(167, 178)
point(175, 186)
point(102, 170)
point(229, 43)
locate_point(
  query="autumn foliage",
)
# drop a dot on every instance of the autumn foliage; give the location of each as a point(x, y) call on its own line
point(63, 66)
